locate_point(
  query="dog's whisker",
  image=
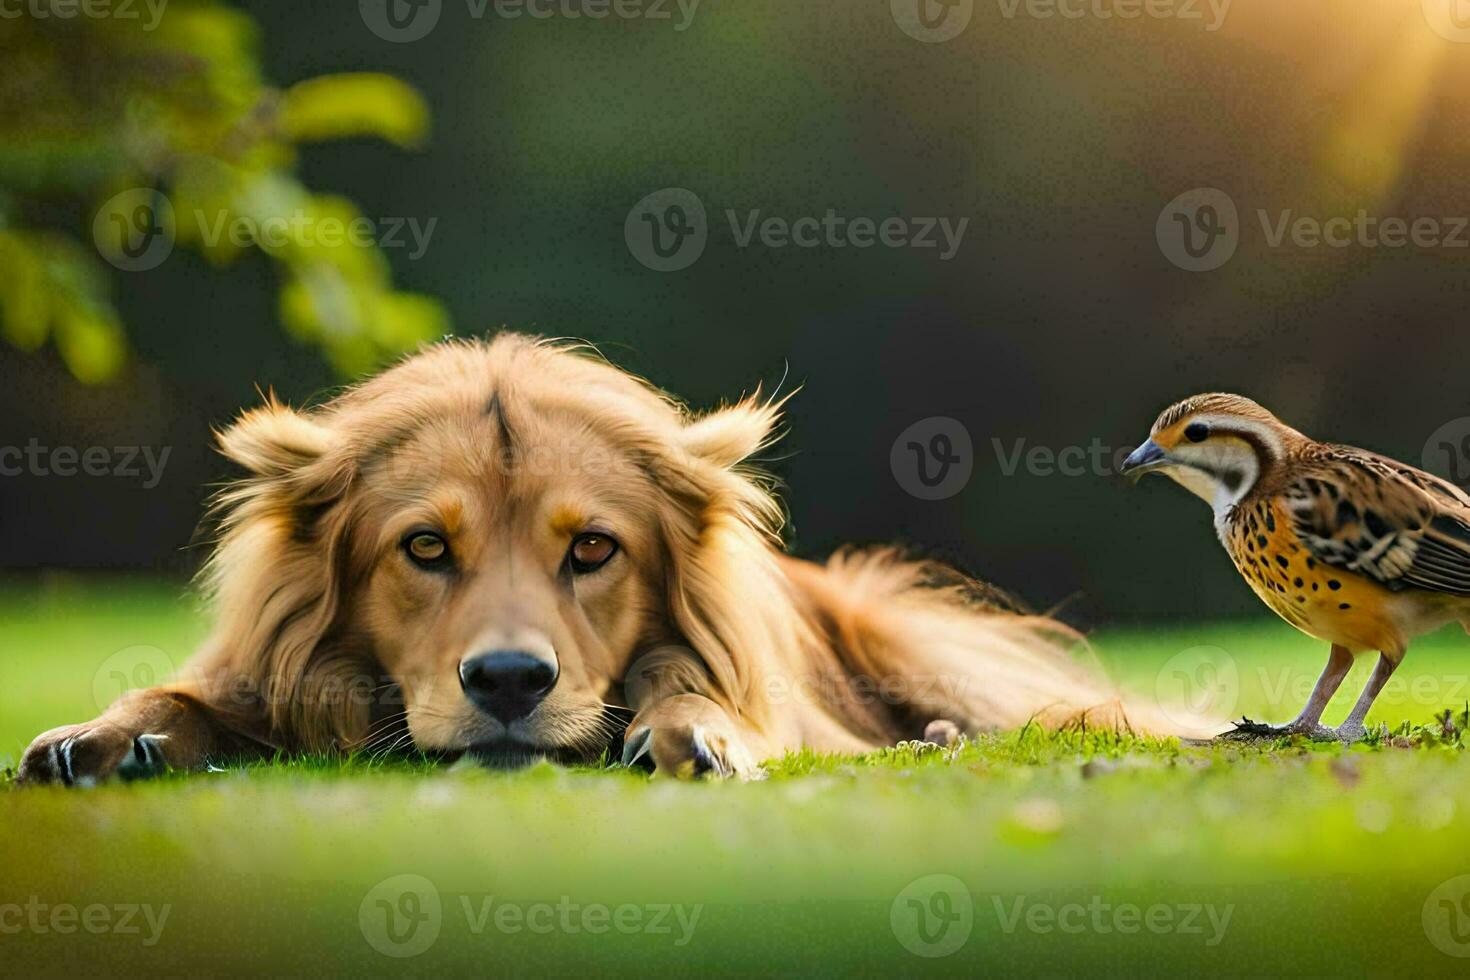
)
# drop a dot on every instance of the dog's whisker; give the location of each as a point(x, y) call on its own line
point(380, 729)
point(406, 737)
point(384, 739)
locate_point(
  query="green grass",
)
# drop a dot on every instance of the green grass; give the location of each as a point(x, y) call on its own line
point(1325, 860)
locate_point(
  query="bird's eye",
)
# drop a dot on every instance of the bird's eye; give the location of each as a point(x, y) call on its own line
point(589, 552)
point(1197, 432)
point(426, 548)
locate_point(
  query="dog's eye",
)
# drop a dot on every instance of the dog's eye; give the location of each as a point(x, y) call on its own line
point(1197, 432)
point(426, 548)
point(589, 552)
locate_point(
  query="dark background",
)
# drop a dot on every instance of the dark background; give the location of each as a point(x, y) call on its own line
point(1060, 320)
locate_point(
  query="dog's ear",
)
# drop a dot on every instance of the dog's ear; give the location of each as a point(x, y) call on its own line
point(726, 597)
point(280, 571)
point(274, 441)
point(727, 436)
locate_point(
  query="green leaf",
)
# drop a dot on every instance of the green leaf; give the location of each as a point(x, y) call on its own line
point(360, 104)
point(25, 310)
point(90, 340)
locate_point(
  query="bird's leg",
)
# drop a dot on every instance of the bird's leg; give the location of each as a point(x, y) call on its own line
point(1339, 662)
point(1353, 728)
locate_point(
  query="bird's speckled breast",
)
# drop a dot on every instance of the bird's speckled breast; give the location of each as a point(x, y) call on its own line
point(1329, 603)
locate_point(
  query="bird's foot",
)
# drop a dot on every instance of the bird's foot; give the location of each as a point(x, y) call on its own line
point(1247, 730)
point(1349, 732)
point(1314, 731)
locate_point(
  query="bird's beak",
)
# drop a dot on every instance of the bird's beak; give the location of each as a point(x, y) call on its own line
point(1149, 456)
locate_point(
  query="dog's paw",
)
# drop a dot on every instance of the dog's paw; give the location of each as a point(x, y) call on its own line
point(84, 755)
point(688, 737)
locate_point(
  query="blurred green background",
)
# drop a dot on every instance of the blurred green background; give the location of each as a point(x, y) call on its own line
point(1059, 323)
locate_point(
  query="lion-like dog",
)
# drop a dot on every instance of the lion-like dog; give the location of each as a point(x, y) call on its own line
point(513, 550)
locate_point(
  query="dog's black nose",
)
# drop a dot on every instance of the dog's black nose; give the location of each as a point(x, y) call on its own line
point(507, 683)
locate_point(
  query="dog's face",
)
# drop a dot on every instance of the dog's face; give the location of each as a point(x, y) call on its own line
point(515, 568)
point(501, 529)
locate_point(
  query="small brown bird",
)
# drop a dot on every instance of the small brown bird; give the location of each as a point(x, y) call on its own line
point(1350, 547)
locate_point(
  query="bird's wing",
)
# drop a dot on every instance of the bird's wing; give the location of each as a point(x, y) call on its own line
point(1369, 514)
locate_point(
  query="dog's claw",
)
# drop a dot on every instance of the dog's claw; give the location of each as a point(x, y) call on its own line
point(145, 761)
point(688, 737)
point(636, 745)
point(706, 761)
